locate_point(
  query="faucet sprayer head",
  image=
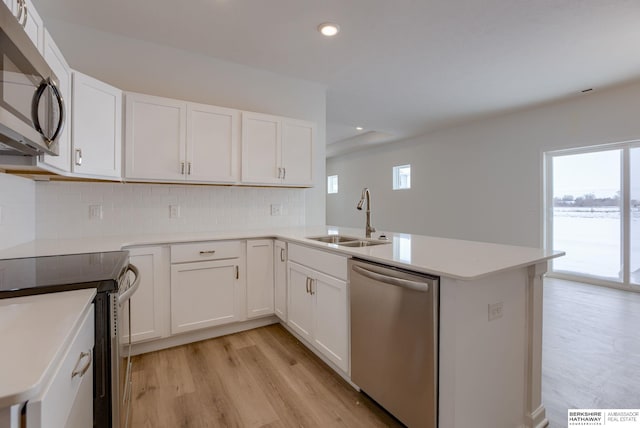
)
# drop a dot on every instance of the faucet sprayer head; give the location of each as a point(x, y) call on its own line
point(359, 206)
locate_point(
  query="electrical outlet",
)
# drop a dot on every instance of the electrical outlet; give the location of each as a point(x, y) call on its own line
point(95, 212)
point(276, 209)
point(495, 311)
point(174, 211)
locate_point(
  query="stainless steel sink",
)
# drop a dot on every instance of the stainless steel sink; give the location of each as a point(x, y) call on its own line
point(362, 243)
point(347, 241)
point(333, 239)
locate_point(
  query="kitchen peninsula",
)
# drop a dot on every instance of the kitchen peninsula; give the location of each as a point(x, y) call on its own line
point(490, 311)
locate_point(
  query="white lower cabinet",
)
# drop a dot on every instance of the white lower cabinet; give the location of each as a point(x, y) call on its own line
point(280, 279)
point(149, 304)
point(259, 277)
point(318, 310)
point(206, 293)
point(67, 401)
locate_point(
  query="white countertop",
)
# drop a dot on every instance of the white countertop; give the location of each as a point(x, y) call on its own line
point(458, 259)
point(35, 332)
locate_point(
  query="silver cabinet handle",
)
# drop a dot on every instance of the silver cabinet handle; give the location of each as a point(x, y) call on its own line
point(307, 285)
point(284, 173)
point(189, 168)
point(282, 254)
point(182, 168)
point(237, 272)
point(279, 172)
point(313, 281)
point(79, 157)
point(412, 285)
point(22, 13)
point(207, 252)
point(83, 370)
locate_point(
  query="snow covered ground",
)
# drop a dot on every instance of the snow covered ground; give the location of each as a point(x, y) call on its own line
point(591, 237)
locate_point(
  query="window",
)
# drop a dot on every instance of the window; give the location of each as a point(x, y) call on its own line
point(593, 213)
point(332, 184)
point(402, 177)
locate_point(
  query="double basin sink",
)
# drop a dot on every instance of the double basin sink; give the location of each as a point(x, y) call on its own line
point(347, 241)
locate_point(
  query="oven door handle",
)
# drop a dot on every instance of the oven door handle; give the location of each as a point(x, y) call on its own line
point(126, 294)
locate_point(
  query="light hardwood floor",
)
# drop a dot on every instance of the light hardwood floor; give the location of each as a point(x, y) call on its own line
point(259, 378)
point(591, 349)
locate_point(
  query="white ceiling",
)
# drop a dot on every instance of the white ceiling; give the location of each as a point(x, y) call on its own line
point(399, 67)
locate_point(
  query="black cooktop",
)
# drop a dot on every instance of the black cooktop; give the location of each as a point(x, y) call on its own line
point(38, 275)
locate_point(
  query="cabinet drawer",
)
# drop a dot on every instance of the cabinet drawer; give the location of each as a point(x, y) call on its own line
point(200, 251)
point(52, 408)
point(322, 261)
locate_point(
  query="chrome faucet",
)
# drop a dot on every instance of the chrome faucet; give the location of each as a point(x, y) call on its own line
point(366, 195)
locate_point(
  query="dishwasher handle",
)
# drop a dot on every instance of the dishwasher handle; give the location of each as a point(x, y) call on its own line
point(405, 283)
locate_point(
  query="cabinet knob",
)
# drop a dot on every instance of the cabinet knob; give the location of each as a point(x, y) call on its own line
point(78, 157)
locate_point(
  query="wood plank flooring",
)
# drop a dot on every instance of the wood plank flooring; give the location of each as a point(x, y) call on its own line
point(591, 349)
point(258, 378)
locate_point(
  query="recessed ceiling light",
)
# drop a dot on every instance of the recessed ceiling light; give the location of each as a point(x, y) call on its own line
point(329, 29)
point(359, 128)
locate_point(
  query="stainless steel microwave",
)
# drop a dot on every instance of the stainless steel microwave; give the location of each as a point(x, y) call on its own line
point(32, 111)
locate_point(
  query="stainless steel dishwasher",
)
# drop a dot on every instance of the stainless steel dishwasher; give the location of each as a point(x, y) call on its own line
point(394, 340)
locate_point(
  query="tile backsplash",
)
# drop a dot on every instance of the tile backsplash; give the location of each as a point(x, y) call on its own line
point(17, 210)
point(63, 208)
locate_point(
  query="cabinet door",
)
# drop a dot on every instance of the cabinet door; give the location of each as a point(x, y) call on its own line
point(203, 294)
point(212, 143)
point(62, 400)
point(259, 277)
point(297, 152)
point(280, 278)
point(147, 317)
point(61, 69)
point(97, 127)
point(12, 5)
point(300, 300)
point(155, 141)
point(331, 320)
point(261, 149)
point(34, 27)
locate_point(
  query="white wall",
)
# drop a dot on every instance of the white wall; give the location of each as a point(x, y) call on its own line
point(480, 181)
point(17, 210)
point(63, 208)
point(139, 66)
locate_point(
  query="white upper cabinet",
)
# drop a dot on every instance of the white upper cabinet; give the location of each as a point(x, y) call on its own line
point(97, 128)
point(155, 138)
point(33, 24)
point(297, 152)
point(171, 140)
point(212, 144)
point(61, 69)
point(261, 135)
point(277, 150)
point(27, 15)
